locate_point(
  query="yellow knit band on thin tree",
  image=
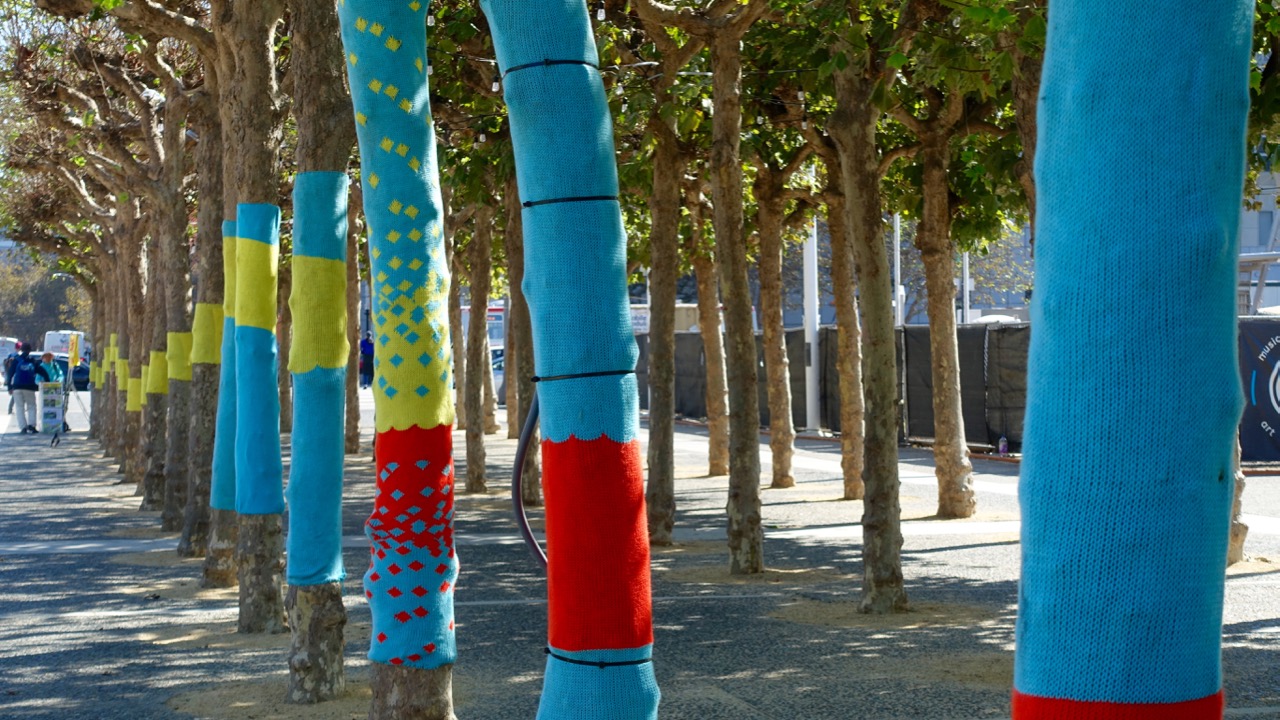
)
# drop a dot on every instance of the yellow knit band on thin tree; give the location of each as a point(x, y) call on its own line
point(178, 357)
point(206, 334)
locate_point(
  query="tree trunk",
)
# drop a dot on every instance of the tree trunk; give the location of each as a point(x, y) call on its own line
point(176, 257)
point(849, 357)
point(1239, 531)
point(782, 432)
point(853, 127)
point(260, 556)
point(933, 238)
point(207, 324)
point(491, 425)
point(746, 537)
point(1026, 97)
point(220, 569)
point(519, 369)
point(256, 123)
point(477, 332)
point(134, 442)
point(322, 373)
point(404, 693)
point(351, 437)
point(664, 241)
point(717, 395)
point(318, 617)
point(459, 342)
point(284, 338)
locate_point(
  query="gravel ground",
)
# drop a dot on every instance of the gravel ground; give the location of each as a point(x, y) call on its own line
point(100, 619)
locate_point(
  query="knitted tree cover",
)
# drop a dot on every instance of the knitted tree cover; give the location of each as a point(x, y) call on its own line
point(413, 566)
point(259, 470)
point(598, 569)
point(222, 495)
point(1125, 515)
point(318, 362)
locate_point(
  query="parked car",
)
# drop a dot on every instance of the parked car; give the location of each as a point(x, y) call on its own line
point(79, 376)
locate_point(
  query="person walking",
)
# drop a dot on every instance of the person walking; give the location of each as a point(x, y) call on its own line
point(8, 362)
point(22, 381)
point(366, 360)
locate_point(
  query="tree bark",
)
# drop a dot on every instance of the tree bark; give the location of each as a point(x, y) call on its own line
point(318, 617)
point(853, 127)
point(325, 139)
point(257, 127)
point(664, 241)
point(519, 369)
point(782, 434)
point(1026, 98)
point(405, 693)
point(459, 341)
point(746, 537)
point(491, 425)
point(717, 394)
point(220, 570)
point(477, 333)
point(176, 256)
point(849, 358)
point(1239, 531)
point(284, 338)
point(933, 238)
point(208, 291)
point(260, 556)
point(351, 439)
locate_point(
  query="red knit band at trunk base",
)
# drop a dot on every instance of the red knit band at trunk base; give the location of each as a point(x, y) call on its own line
point(1031, 707)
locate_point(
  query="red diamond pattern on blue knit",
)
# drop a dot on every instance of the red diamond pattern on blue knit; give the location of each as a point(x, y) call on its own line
point(413, 565)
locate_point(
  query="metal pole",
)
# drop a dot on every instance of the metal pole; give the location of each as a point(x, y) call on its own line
point(899, 292)
point(811, 320)
point(964, 313)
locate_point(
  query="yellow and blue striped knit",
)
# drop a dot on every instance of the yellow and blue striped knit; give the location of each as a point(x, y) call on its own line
point(600, 627)
point(259, 469)
point(318, 362)
point(413, 566)
point(1125, 519)
point(222, 495)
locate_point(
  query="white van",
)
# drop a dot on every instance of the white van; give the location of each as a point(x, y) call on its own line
point(8, 346)
point(59, 341)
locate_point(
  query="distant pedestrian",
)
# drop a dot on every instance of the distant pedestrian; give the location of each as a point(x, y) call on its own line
point(366, 360)
point(22, 381)
point(8, 361)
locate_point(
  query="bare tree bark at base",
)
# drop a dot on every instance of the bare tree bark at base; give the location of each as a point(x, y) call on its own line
point(404, 693)
point(176, 469)
point(154, 449)
point(260, 556)
point(1239, 531)
point(220, 558)
point(709, 321)
point(317, 617)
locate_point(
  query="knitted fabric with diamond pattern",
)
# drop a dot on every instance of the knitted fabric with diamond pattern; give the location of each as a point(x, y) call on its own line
point(1125, 501)
point(598, 550)
point(413, 567)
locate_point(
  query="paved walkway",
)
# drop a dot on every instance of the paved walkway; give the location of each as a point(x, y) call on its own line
point(99, 618)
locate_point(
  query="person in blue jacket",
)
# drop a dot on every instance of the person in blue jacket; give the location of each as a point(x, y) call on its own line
point(22, 379)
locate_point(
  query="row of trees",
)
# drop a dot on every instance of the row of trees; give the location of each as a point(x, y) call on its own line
point(135, 127)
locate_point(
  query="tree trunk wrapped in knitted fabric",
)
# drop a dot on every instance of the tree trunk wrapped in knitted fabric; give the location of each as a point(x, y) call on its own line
point(1125, 516)
point(601, 630)
point(413, 567)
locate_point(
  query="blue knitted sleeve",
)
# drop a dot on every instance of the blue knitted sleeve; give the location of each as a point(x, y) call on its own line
point(1127, 483)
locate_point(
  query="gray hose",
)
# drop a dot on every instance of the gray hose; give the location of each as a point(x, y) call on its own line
point(517, 477)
